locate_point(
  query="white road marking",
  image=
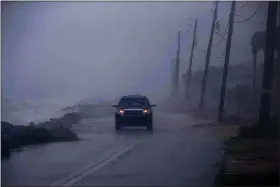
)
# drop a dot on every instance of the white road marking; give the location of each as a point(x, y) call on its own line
point(79, 175)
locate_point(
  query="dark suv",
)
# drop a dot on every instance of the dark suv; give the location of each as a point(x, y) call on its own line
point(134, 110)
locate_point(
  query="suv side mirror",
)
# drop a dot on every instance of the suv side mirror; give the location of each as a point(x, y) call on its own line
point(153, 105)
point(114, 105)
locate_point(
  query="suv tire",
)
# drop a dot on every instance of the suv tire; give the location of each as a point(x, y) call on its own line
point(150, 125)
point(117, 126)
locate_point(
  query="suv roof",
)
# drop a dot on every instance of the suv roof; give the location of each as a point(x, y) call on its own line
point(134, 96)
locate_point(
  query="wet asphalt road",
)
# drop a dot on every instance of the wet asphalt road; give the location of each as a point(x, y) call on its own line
point(175, 154)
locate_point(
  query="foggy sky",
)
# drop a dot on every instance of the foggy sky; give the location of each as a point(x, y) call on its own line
point(75, 50)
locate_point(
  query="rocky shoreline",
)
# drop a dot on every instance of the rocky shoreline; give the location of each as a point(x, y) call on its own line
point(54, 130)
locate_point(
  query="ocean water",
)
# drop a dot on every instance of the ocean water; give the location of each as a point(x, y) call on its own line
point(23, 112)
point(38, 110)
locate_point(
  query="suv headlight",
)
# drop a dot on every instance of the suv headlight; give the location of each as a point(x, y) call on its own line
point(121, 111)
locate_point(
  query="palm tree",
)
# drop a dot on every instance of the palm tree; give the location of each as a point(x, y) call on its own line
point(257, 44)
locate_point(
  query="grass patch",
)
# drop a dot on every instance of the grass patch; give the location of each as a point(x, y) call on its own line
point(251, 158)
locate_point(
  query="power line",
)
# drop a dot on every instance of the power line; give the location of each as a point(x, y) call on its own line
point(259, 23)
point(247, 19)
point(223, 38)
point(226, 30)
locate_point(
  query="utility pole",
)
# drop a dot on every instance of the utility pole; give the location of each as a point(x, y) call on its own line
point(225, 72)
point(208, 56)
point(277, 74)
point(173, 78)
point(191, 58)
point(264, 113)
point(176, 82)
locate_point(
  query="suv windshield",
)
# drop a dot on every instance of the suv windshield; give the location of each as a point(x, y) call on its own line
point(134, 102)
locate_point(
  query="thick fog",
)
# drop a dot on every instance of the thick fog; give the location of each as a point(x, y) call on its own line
point(63, 52)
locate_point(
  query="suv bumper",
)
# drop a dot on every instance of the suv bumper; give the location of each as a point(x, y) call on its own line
point(133, 120)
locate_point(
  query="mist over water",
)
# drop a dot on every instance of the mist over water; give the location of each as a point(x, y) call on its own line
point(56, 54)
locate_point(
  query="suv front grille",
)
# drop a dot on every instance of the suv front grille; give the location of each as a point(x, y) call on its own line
point(133, 112)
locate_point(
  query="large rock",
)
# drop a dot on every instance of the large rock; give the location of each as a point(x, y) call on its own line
point(9, 134)
point(7, 127)
point(7, 143)
point(15, 136)
point(35, 135)
point(51, 124)
point(65, 121)
point(70, 118)
point(10, 129)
